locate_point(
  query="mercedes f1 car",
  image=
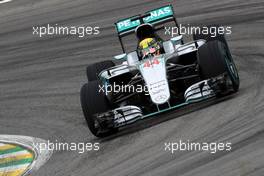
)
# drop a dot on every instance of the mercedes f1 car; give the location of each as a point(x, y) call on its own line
point(146, 83)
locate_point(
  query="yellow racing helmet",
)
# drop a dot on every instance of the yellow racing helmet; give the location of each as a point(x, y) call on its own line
point(146, 43)
point(149, 47)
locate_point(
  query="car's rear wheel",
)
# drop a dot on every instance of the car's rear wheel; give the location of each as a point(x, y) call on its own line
point(94, 101)
point(93, 70)
point(214, 58)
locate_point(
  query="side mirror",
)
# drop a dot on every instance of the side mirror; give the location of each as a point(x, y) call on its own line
point(176, 40)
point(121, 57)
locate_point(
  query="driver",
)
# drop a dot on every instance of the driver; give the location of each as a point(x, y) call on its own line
point(149, 47)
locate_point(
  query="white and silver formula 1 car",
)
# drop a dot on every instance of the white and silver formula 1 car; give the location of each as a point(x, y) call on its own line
point(146, 85)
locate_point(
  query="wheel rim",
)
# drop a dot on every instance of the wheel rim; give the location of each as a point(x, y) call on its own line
point(231, 66)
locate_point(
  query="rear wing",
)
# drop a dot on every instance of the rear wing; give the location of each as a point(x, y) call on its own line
point(155, 17)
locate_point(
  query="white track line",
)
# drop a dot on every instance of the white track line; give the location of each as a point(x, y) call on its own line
point(4, 1)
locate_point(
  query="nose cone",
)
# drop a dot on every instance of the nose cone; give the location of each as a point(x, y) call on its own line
point(153, 71)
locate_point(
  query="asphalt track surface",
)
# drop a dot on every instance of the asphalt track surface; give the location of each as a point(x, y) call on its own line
point(40, 79)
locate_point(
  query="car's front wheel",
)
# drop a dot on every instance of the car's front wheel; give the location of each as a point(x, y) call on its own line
point(214, 58)
point(94, 101)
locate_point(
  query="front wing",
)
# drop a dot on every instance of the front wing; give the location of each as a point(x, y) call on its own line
point(126, 115)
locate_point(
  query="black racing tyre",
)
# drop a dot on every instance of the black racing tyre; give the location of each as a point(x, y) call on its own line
point(215, 34)
point(93, 70)
point(214, 58)
point(93, 102)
